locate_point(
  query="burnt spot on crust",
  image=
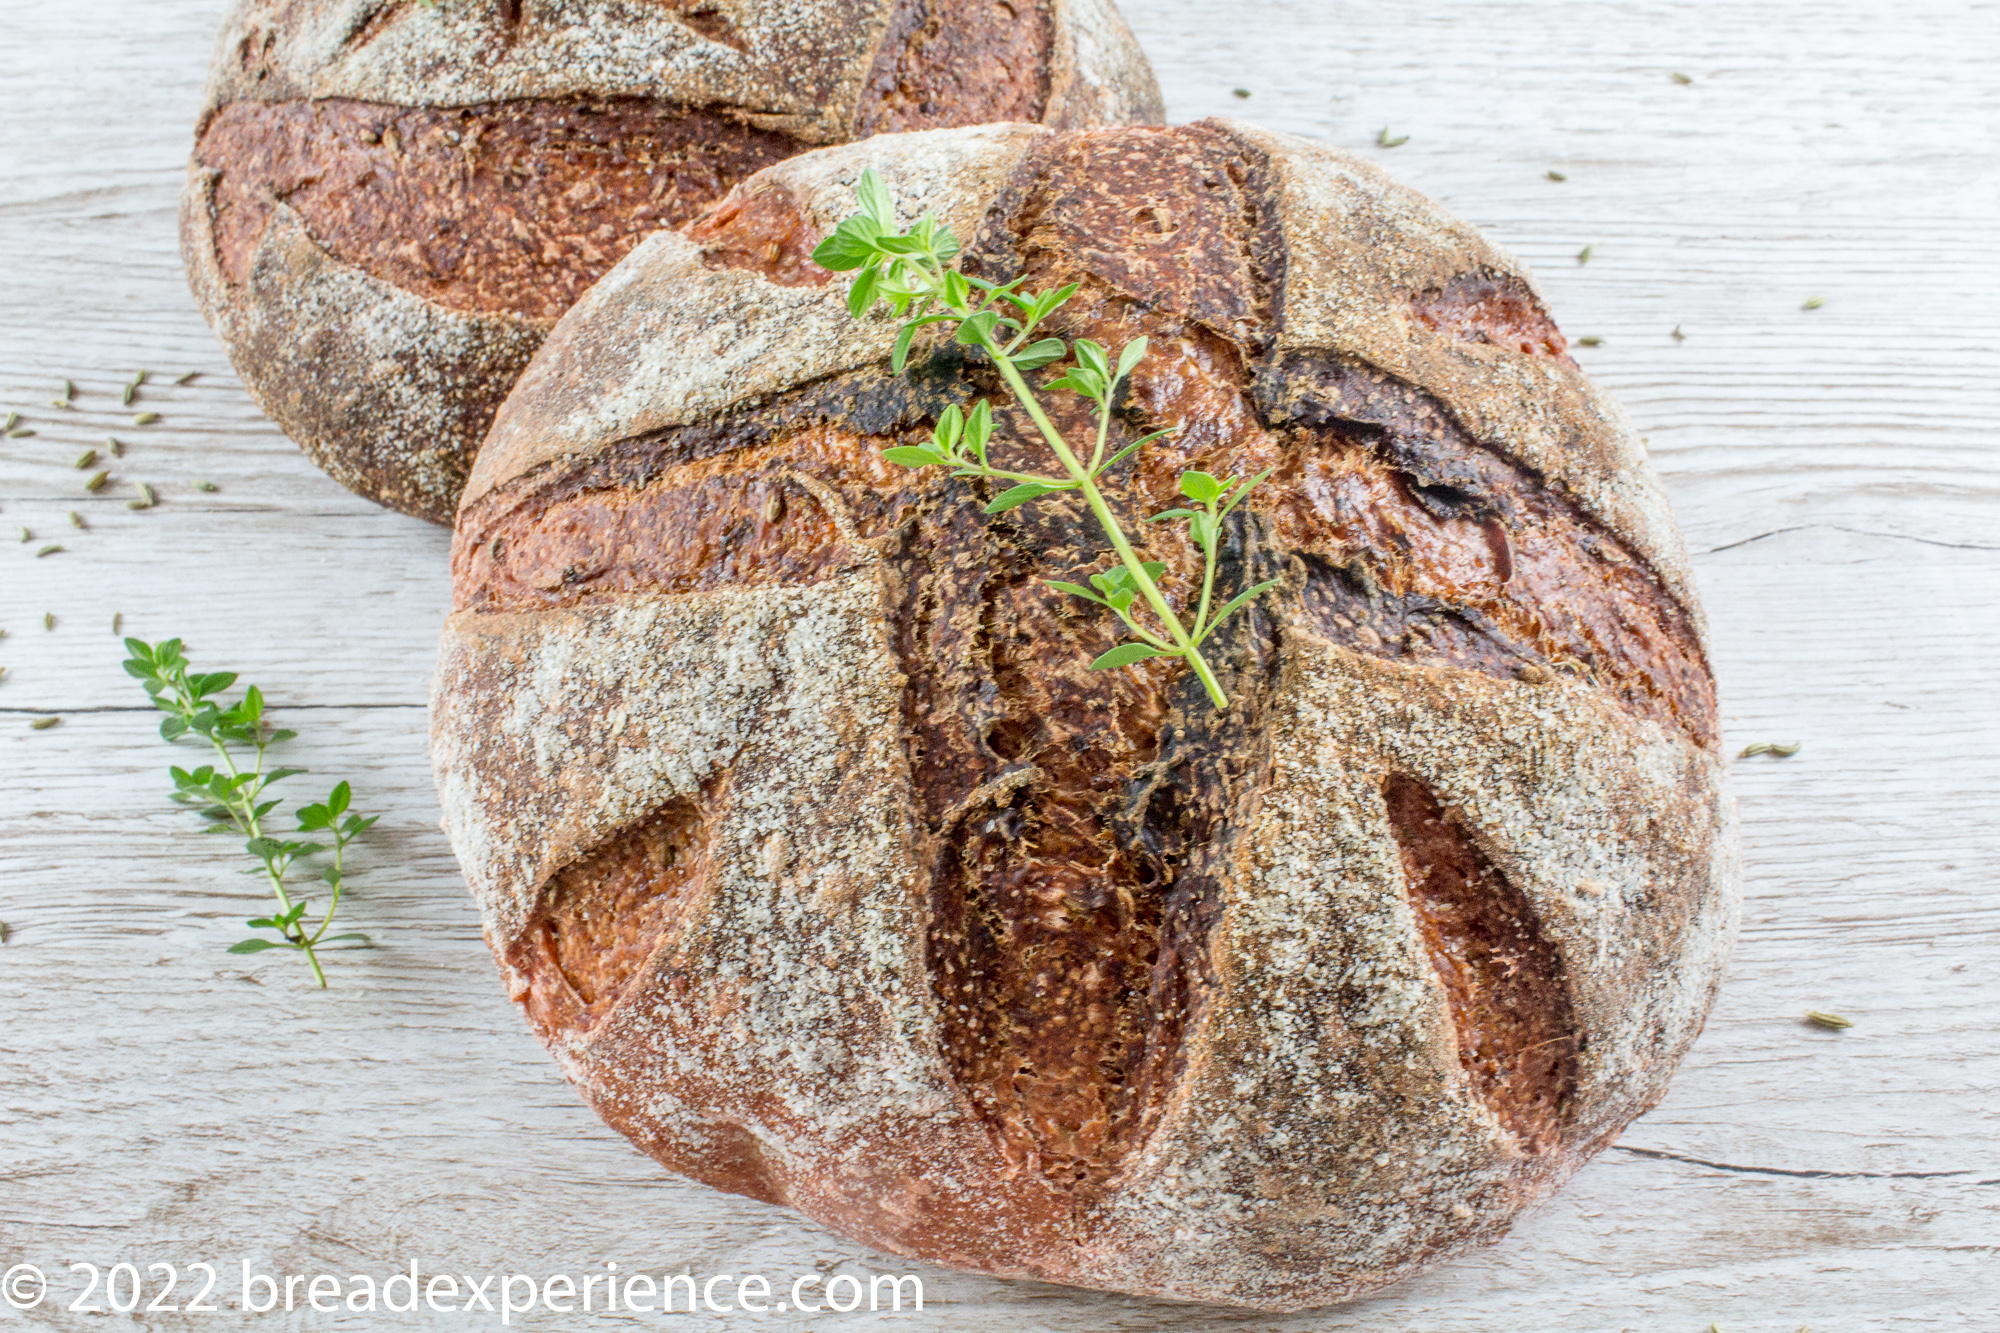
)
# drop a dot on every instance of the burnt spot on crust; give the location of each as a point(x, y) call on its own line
point(603, 915)
point(758, 226)
point(958, 62)
point(1495, 308)
point(509, 208)
point(1510, 1008)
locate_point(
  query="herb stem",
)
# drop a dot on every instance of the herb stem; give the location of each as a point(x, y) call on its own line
point(242, 808)
point(1207, 578)
point(1095, 499)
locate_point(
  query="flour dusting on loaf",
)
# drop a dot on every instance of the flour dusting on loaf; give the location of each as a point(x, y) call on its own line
point(833, 876)
point(462, 171)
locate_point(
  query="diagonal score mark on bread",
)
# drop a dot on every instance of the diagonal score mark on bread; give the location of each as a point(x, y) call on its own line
point(1043, 970)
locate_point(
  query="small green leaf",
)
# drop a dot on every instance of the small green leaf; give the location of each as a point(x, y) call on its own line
point(901, 354)
point(278, 773)
point(945, 245)
point(913, 455)
point(1036, 355)
point(873, 196)
point(851, 245)
point(1133, 447)
point(1074, 590)
point(1200, 487)
point(1236, 603)
point(979, 429)
point(1246, 488)
point(1125, 654)
point(314, 817)
point(255, 946)
point(348, 935)
point(861, 296)
point(282, 734)
point(1019, 495)
point(1171, 513)
point(1134, 352)
point(949, 429)
point(978, 328)
point(172, 728)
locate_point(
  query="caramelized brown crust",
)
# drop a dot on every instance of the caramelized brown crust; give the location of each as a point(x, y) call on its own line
point(506, 208)
point(1517, 1038)
point(1092, 849)
point(604, 916)
point(958, 62)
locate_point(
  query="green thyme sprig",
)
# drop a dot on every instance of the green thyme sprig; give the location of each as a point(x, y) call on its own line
point(909, 271)
point(232, 795)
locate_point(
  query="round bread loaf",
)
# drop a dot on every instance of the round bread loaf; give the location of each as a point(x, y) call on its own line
point(832, 876)
point(390, 203)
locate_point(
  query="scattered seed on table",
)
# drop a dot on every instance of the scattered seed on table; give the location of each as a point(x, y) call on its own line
point(1679, 337)
point(1813, 303)
point(1833, 1022)
point(76, 520)
point(139, 377)
point(1591, 341)
point(1681, 78)
point(1583, 255)
point(85, 459)
point(1240, 92)
point(204, 485)
point(48, 620)
point(19, 433)
point(131, 392)
point(96, 483)
point(145, 418)
point(1386, 141)
point(117, 622)
point(1555, 175)
point(43, 723)
point(51, 549)
point(187, 378)
point(27, 536)
point(117, 446)
point(13, 420)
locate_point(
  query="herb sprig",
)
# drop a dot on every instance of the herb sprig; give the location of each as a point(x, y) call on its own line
point(232, 795)
point(909, 271)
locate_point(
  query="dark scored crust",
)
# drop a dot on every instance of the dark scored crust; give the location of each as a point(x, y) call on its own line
point(509, 208)
point(1091, 851)
point(1079, 819)
point(505, 211)
point(958, 62)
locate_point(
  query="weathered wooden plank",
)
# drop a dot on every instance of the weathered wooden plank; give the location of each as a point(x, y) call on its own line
point(1835, 469)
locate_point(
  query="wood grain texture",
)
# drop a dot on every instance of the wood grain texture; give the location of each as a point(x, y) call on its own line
point(1836, 470)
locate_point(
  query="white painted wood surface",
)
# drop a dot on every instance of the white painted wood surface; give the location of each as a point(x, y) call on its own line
point(1837, 472)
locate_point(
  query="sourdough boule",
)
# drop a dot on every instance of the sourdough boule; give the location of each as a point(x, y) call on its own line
point(390, 203)
point(832, 876)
